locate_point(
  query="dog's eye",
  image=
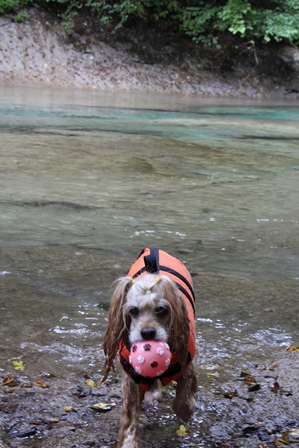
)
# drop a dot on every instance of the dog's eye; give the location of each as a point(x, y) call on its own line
point(134, 311)
point(161, 310)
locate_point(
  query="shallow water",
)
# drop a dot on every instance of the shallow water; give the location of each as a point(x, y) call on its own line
point(89, 179)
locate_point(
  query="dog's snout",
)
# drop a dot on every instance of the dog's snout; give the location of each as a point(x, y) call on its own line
point(148, 333)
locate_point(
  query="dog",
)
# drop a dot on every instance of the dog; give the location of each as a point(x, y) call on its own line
point(155, 301)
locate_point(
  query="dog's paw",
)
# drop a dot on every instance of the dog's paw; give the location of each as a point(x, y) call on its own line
point(184, 410)
point(130, 443)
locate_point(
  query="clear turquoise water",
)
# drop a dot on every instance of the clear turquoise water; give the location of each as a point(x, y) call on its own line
point(89, 179)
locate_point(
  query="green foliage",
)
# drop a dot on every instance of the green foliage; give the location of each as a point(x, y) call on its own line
point(7, 5)
point(237, 16)
point(202, 20)
point(282, 24)
point(121, 11)
point(21, 17)
point(11, 5)
point(197, 22)
point(276, 21)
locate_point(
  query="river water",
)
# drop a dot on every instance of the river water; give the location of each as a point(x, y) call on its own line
point(88, 179)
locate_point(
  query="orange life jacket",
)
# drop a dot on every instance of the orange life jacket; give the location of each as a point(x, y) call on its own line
point(157, 261)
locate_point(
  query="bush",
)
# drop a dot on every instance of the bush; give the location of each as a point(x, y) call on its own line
point(7, 5)
point(202, 20)
point(21, 17)
point(11, 5)
point(277, 21)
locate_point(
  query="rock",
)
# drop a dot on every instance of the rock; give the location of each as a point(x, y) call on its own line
point(291, 56)
point(22, 430)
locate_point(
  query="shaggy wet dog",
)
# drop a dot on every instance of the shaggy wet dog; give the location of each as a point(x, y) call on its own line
point(155, 301)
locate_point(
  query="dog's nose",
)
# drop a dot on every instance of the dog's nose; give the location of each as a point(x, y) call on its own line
point(148, 333)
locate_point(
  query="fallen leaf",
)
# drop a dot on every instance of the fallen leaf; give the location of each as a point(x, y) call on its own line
point(283, 440)
point(270, 367)
point(254, 388)
point(10, 381)
point(52, 420)
point(275, 388)
point(243, 375)
point(68, 408)
point(230, 395)
point(293, 348)
point(102, 407)
point(40, 383)
point(249, 380)
point(181, 432)
point(91, 383)
point(213, 374)
point(18, 365)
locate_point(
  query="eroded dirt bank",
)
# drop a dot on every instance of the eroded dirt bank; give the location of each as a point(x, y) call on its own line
point(40, 52)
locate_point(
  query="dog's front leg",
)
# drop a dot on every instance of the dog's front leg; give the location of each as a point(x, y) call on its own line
point(184, 403)
point(132, 396)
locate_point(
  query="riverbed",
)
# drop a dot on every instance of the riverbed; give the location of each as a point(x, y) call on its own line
point(88, 179)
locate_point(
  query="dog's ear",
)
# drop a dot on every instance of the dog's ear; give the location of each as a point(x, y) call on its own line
point(116, 327)
point(180, 328)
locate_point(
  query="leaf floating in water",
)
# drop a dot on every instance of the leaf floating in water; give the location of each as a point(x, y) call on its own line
point(18, 365)
point(102, 407)
point(40, 383)
point(182, 432)
point(293, 348)
point(91, 383)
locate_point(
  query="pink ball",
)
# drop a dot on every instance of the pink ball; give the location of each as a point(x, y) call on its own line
point(150, 358)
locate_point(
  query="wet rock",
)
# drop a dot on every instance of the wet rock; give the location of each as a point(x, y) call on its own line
point(22, 430)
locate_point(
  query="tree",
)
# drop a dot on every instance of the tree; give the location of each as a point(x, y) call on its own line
point(202, 20)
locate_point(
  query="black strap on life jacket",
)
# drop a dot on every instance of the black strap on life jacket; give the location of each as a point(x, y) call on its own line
point(152, 266)
point(151, 261)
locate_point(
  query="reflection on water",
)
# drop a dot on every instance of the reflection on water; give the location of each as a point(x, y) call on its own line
point(88, 180)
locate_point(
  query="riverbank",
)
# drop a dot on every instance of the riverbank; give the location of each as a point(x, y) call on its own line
point(255, 411)
point(40, 52)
